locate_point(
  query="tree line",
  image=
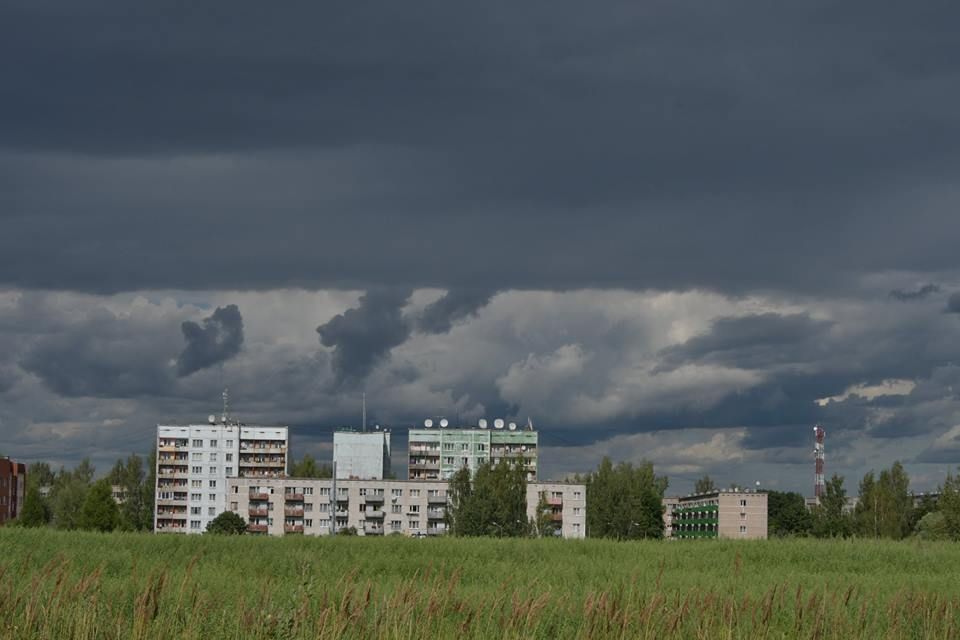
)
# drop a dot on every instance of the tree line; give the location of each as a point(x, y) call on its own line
point(72, 499)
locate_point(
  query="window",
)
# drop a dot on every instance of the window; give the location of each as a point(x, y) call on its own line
point(213, 484)
point(270, 521)
point(576, 511)
point(196, 456)
point(308, 491)
point(229, 471)
point(229, 444)
point(229, 457)
point(377, 492)
point(414, 493)
point(448, 460)
point(236, 489)
point(363, 491)
point(576, 527)
point(212, 497)
point(396, 492)
point(433, 492)
point(395, 525)
point(448, 446)
point(308, 523)
point(213, 457)
point(396, 508)
point(213, 471)
point(414, 508)
point(413, 525)
point(556, 495)
point(465, 461)
point(197, 469)
point(194, 511)
point(308, 506)
point(743, 528)
point(342, 491)
point(198, 443)
point(233, 506)
point(577, 495)
point(743, 516)
point(194, 524)
point(743, 503)
point(481, 447)
point(325, 523)
point(481, 460)
point(213, 444)
point(195, 497)
point(270, 506)
point(211, 511)
point(324, 507)
point(196, 484)
point(465, 447)
point(324, 491)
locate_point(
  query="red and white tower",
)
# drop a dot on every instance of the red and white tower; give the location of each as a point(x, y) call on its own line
point(819, 486)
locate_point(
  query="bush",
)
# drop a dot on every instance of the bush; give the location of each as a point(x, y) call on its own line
point(227, 523)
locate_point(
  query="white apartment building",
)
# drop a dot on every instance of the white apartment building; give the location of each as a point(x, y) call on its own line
point(285, 506)
point(363, 455)
point(194, 463)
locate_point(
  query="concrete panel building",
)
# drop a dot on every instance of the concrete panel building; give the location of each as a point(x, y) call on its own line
point(361, 455)
point(438, 451)
point(287, 506)
point(13, 487)
point(720, 514)
point(195, 461)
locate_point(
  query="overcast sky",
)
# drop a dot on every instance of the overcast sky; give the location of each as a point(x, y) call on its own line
point(677, 231)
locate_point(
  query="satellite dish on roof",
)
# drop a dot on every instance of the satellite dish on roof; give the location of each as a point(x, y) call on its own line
point(212, 419)
point(498, 423)
point(444, 423)
point(483, 423)
point(428, 423)
point(512, 426)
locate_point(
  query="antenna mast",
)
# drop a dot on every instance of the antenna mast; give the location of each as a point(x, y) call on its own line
point(226, 401)
point(819, 486)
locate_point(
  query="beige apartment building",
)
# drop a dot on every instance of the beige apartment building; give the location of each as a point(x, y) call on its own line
point(283, 506)
point(739, 515)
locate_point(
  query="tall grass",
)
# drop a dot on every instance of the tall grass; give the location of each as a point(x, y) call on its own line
point(83, 585)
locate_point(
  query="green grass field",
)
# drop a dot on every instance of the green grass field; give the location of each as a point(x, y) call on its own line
point(84, 585)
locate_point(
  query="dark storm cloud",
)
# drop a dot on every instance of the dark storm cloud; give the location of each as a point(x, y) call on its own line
point(362, 337)
point(101, 356)
point(534, 145)
point(458, 304)
point(905, 295)
point(953, 303)
point(218, 339)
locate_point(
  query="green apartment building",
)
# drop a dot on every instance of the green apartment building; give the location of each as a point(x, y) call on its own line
point(437, 451)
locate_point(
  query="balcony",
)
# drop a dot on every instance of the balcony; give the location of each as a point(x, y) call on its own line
point(555, 501)
point(172, 502)
point(295, 512)
point(372, 531)
point(257, 528)
point(256, 495)
point(258, 511)
point(424, 465)
point(371, 498)
point(437, 499)
point(262, 464)
point(293, 528)
point(556, 517)
point(434, 531)
point(376, 514)
point(435, 514)
point(261, 447)
point(293, 497)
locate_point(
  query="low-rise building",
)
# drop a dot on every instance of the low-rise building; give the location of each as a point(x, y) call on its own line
point(284, 506)
point(13, 487)
point(719, 514)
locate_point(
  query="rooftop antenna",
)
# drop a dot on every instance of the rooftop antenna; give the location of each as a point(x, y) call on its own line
point(364, 411)
point(226, 402)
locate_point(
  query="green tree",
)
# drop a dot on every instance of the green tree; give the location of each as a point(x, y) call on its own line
point(625, 502)
point(704, 485)
point(544, 525)
point(148, 492)
point(39, 474)
point(787, 514)
point(885, 506)
point(830, 519)
point(933, 526)
point(491, 502)
point(99, 511)
point(307, 467)
point(227, 523)
point(949, 505)
point(68, 493)
point(35, 512)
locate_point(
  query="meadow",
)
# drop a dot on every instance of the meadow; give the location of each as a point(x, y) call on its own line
point(86, 585)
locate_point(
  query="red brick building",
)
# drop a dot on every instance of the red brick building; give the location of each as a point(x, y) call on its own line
point(13, 486)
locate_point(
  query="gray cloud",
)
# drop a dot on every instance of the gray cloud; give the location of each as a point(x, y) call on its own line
point(362, 337)
point(953, 303)
point(905, 295)
point(455, 305)
point(219, 339)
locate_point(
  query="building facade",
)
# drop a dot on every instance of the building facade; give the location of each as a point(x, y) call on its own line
point(13, 488)
point(195, 461)
point(720, 514)
point(361, 455)
point(436, 453)
point(286, 506)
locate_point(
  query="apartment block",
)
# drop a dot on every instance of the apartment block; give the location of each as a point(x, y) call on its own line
point(719, 514)
point(194, 463)
point(291, 506)
point(436, 453)
point(13, 487)
point(361, 455)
